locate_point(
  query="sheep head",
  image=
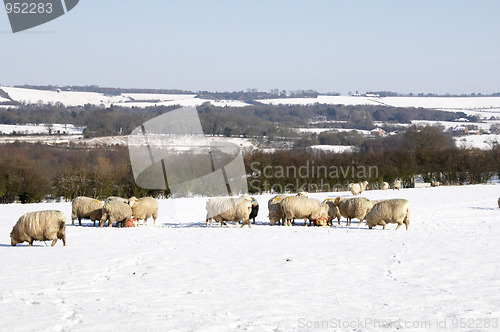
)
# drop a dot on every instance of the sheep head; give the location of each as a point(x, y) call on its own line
point(132, 201)
point(338, 200)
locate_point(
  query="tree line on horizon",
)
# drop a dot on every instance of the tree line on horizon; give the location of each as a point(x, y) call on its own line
point(32, 172)
point(251, 121)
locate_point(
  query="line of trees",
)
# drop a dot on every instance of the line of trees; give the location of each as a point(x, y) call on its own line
point(31, 172)
point(251, 121)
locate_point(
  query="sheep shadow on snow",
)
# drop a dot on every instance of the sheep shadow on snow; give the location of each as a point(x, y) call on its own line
point(482, 208)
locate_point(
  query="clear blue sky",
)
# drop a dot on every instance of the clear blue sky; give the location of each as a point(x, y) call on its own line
point(405, 46)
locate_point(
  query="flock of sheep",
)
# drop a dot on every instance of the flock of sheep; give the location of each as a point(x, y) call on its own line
point(51, 224)
point(283, 209)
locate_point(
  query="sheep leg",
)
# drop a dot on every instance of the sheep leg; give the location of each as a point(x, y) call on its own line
point(72, 221)
point(30, 243)
point(110, 222)
point(399, 225)
point(383, 224)
point(53, 242)
point(305, 221)
point(360, 222)
point(64, 239)
point(247, 222)
point(80, 220)
point(407, 224)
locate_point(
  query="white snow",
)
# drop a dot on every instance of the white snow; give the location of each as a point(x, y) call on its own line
point(67, 98)
point(76, 98)
point(329, 100)
point(41, 129)
point(334, 148)
point(448, 103)
point(180, 275)
point(321, 130)
point(453, 124)
point(483, 142)
point(157, 96)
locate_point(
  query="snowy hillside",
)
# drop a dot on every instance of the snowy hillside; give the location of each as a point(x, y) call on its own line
point(76, 98)
point(181, 275)
point(448, 103)
point(30, 129)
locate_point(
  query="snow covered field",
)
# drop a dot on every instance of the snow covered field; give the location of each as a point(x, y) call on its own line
point(30, 129)
point(445, 103)
point(76, 98)
point(181, 275)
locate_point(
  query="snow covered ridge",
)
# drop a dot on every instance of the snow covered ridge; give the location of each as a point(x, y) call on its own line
point(41, 128)
point(445, 103)
point(181, 275)
point(76, 98)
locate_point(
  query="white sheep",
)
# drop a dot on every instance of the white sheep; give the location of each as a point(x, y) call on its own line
point(363, 186)
point(144, 208)
point(356, 207)
point(435, 183)
point(384, 186)
point(39, 226)
point(115, 211)
point(389, 211)
point(96, 215)
point(229, 209)
point(397, 185)
point(82, 207)
point(302, 208)
point(357, 188)
point(275, 213)
point(333, 211)
point(117, 198)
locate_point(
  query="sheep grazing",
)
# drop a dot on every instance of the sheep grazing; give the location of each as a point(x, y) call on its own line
point(82, 207)
point(115, 211)
point(96, 215)
point(255, 210)
point(384, 186)
point(302, 208)
point(356, 207)
point(333, 211)
point(229, 209)
point(274, 207)
point(144, 208)
point(116, 198)
point(39, 226)
point(363, 185)
point(389, 211)
point(397, 185)
point(357, 188)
